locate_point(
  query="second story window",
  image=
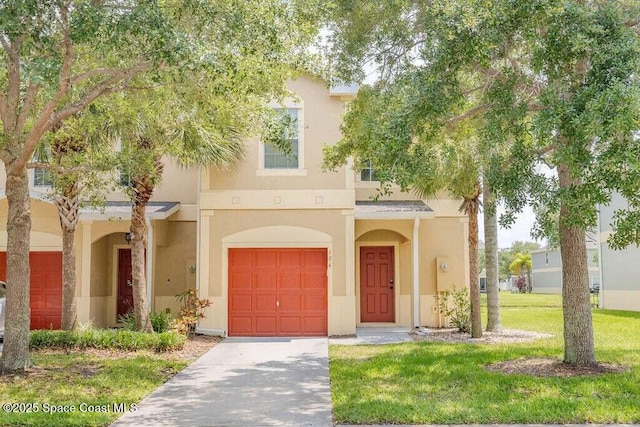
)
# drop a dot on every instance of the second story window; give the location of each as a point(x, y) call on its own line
point(368, 173)
point(124, 179)
point(42, 178)
point(274, 158)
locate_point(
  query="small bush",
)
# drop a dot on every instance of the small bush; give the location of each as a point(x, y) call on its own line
point(459, 314)
point(520, 284)
point(106, 339)
point(128, 321)
point(160, 321)
point(191, 311)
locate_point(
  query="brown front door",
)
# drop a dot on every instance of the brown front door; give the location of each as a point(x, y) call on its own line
point(377, 302)
point(125, 281)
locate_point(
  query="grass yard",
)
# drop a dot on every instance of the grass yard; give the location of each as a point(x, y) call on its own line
point(446, 383)
point(98, 385)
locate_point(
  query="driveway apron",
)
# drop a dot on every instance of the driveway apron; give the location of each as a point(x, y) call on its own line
point(245, 382)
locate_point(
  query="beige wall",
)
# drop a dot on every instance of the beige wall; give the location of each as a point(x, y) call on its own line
point(45, 228)
point(100, 271)
point(224, 229)
point(321, 117)
point(441, 240)
point(175, 264)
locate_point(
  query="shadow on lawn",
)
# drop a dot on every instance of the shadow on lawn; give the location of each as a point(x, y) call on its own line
point(448, 384)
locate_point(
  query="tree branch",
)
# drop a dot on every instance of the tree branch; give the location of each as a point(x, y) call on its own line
point(12, 97)
point(58, 168)
point(45, 122)
point(472, 112)
point(29, 99)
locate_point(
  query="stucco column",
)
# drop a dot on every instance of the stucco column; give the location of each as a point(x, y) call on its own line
point(416, 273)
point(204, 253)
point(150, 254)
point(84, 298)
point(350, 270)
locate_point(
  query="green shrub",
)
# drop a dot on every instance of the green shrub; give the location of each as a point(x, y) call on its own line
point(128, 321)
point(191, 311)
point(160, 321)
point(106, 339)
point(459, 314)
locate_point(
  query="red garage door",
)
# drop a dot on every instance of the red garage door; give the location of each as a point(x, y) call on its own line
point(46, 288)
point(277, 292)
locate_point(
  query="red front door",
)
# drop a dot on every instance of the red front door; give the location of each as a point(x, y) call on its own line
point(125, 282)
point(45, 293)
point(377, 295)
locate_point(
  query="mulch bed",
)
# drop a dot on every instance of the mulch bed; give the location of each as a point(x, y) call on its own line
point(543, 367)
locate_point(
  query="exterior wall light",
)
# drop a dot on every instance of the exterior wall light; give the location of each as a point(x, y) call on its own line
point(444, 267)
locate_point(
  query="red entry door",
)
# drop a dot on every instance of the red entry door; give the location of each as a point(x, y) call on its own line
point(45, 292)
point(377, 295)
point(125, 282)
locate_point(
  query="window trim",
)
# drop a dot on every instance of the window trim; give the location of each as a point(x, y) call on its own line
point(46, 184)
point(293, 104)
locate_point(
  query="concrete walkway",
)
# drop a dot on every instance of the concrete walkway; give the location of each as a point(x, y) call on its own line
point(375, 336)
point(245, 382)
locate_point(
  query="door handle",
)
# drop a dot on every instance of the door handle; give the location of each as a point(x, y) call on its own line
point(391, 281)
point(391, 287)
point(129, 283)
point(277, 304)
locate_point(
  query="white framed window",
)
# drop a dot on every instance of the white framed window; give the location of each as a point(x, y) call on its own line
point(275, 162)
point(546, 258)
point(368, 173)
point(42, 177)
point(275, 158)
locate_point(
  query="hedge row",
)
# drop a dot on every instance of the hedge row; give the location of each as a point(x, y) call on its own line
point(107, 339)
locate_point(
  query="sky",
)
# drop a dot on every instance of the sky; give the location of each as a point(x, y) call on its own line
point(518, 231)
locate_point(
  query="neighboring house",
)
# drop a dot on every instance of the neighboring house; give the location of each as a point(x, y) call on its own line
point(620, 287)
point(279, 246)
point(103, 254)
point(546, 271)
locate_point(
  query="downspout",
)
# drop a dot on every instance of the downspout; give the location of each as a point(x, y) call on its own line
point(198, 230)
point(150, 246)
point(416, 274)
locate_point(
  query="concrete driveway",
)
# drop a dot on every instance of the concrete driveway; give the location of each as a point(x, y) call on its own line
point(245, 382)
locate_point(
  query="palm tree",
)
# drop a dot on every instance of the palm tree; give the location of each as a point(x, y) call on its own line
point(183, 124)
point(74, 163)
point(494, 324)
point(521, 266)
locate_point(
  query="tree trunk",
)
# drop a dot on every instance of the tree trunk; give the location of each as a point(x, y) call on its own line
point(578, 328)
point(68, 206)
point(529, 284)
point(494, 323)
point(69, 308)
point(15, 354)
point(139, 241)
point(476, 321)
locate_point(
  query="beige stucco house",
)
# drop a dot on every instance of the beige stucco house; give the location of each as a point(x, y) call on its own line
point(279, 246)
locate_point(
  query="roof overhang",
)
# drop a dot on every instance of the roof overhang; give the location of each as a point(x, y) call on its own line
point(393, 209)
point(122, 211)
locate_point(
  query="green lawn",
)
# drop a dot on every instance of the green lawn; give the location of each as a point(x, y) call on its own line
point(440, 383)
point(87, 383)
